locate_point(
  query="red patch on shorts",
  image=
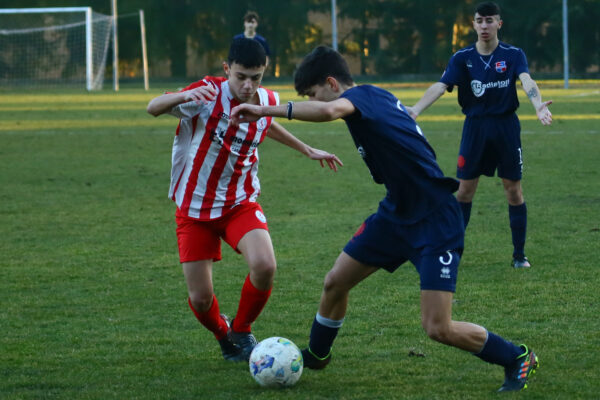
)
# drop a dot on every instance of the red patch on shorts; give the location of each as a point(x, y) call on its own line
point(359, 231)
point(461, 161)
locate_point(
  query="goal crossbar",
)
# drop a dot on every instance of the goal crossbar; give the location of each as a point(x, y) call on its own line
point(88, 31)
point(42, 10)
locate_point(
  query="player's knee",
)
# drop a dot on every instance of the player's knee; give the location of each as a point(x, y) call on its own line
point(466, 193)
point(201, 301)
point(514, 196)
point(266, 267)
point(436, 331)
point(263, 270)
point(331, 285)
point(513, 191)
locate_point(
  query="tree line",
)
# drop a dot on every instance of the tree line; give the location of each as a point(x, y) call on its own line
point(381, 37)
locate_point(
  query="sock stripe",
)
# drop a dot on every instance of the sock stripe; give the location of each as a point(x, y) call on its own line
point(317, 357)
point(330, 323)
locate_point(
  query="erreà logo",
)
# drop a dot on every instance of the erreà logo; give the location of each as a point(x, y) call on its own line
point(362, 152)
point(445, 273)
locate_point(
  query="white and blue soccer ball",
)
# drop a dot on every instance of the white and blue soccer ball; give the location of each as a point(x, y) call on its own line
point(276, 362)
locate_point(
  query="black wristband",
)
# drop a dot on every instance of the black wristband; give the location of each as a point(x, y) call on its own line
point(290, 109)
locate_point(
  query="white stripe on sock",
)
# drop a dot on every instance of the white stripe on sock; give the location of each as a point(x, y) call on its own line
point(330, 323)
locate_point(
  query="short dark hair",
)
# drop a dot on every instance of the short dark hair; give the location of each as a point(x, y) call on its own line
point(317, 66)
point(487, 9)
point(247, 52)
point(250, 15)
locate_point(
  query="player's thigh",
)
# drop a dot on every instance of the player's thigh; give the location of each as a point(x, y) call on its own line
point(379, 242)
point(346, 273)
point(197, 240)
point(242, 220)
point(257, 248)
point(439, 271)
point(473, 155)
point(509, 149)
point(436, 308)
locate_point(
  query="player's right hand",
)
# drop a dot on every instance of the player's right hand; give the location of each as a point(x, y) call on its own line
point(203, 94)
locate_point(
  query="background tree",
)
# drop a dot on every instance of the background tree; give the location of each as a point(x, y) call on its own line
point(387, 37)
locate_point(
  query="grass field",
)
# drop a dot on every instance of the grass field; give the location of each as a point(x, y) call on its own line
point(93, 301)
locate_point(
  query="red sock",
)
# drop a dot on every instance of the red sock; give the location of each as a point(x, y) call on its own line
point(211, 319)
point(251, 304)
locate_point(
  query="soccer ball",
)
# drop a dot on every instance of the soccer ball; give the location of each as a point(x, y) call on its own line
point(276, 362)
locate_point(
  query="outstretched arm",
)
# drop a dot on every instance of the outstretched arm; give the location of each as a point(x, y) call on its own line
point(283, 136)
point(315, 111)
point(534, 95)
point(434, 92)
point(164, 103)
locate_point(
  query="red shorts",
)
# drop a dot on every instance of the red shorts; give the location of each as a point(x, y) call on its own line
point(201, 240)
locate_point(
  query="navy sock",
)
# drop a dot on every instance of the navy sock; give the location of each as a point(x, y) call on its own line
point(518, 226)
point(322, 335)
point(466, 211)
point(497, 350)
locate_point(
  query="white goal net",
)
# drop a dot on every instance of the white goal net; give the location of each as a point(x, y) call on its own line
point(53, 47)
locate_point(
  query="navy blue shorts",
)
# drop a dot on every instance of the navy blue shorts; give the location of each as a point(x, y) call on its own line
point(490, 143)
point(434, 245)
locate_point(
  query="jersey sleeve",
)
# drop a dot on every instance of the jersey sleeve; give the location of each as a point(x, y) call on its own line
point(521, 63)
point(360, 99)
point(451, 75)
point(190, 108)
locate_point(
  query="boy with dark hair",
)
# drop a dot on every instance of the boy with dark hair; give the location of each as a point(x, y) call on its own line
point(215, 185)
point(418, 220)
point(485, 74)
point(250, 25)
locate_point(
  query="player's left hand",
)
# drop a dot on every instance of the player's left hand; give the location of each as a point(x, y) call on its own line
point(544, 114)
point(244, 113)
point(331, 159)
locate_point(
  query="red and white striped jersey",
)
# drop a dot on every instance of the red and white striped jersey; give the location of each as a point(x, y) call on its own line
point(214, 165)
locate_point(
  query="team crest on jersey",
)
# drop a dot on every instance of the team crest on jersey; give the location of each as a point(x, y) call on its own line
point(260, 216)
point(261, 124)
point(501, 66)
point(469, 63)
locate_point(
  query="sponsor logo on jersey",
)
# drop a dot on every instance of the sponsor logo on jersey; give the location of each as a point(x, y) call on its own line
point(501, 66)
point(235, 143)
point(479, 87)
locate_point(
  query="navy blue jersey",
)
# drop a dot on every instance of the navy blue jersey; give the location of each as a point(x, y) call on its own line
point(259, 39)
point(397, 154)
point(486, 84)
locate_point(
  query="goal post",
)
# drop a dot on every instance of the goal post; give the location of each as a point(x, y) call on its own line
point(53, 46)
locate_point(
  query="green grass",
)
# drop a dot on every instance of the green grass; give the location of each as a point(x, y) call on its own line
point(93, 301)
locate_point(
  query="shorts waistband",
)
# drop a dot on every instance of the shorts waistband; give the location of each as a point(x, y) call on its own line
point(493, 116)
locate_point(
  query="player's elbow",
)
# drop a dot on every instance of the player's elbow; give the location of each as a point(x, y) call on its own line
point(330, 112)
point(153, 110)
